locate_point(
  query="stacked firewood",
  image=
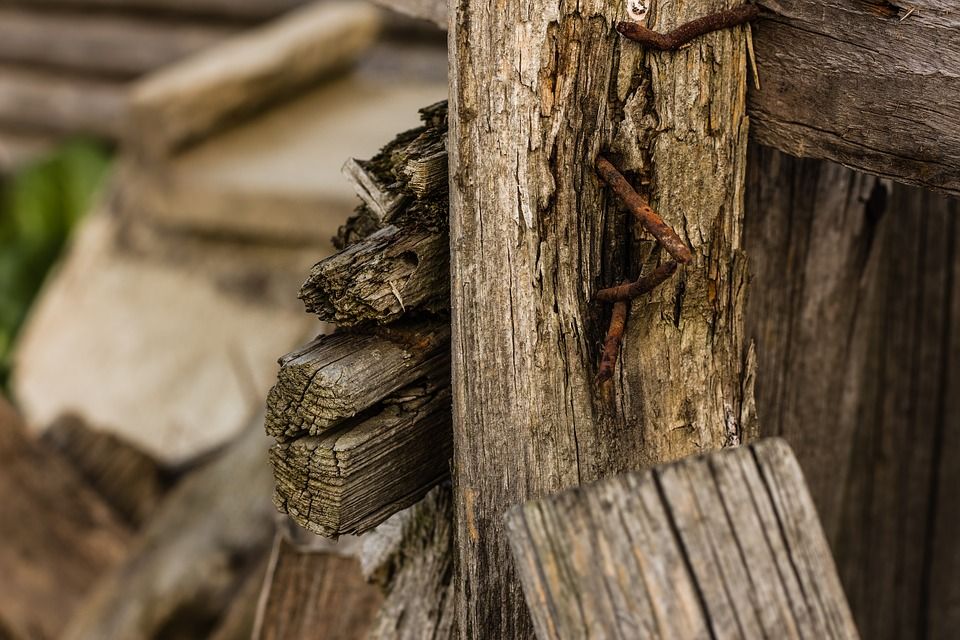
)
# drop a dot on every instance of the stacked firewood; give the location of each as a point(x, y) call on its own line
point(362, 416)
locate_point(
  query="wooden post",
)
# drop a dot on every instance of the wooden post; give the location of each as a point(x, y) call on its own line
point(726, 545)
point(537, 91)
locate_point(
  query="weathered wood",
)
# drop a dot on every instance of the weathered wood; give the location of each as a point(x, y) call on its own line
point(100, 44)
point(337, 376)
point(57, 536)
point(184, 102)
point(381, 277)
point(352, 478)
point(241, 9)
point(193, 554)
point(864, 84)
point(315, 594)
point(533, 236)
point(129, 480)
point(726, 545)
point(411, 556)
point(45, 101)
point(852, 307)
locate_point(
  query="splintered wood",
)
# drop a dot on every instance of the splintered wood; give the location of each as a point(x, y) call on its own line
point(726, 545)
point(362, 416)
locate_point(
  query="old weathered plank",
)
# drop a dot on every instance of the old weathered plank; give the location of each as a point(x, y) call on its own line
point(411, 556)
point(337, 376)
point(852, 309)
point(129, 480)
point(312, 593)
point(241, 9)
point(352, 478)
point(725, 545)
point(58, 535)
point(381, 277)
point(100, 44)
point(870, 84)
point(47, 101)
point(183, 102)
point(190, 559)
point(534, 234)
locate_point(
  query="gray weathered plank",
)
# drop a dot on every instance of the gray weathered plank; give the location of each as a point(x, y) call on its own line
point(355, 476)
point(726, 545)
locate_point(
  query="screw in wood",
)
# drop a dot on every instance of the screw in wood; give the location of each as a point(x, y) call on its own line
point(611, 345)
point(631, 290)
point(686, 32)
point(638, 205)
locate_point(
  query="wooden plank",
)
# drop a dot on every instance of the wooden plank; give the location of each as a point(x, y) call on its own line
point(534, 233)
point(852, 311)
point(239, 9)
point(193, 555)
point(351, 479)
point(184, 102)
point(864, 84)
point(60, 103)
point(58, 535)
point(337, 376)
point(314, 594)
point(726, 545)
point(381, 277)
point(100, 44)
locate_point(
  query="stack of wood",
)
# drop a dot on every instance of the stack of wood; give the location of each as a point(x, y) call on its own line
point(65, 67)
point(362, 416)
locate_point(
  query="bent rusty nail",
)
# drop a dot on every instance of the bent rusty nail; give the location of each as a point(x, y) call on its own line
point(611, 346)
point(652, 222)
point(686, 32)
point(631, 290)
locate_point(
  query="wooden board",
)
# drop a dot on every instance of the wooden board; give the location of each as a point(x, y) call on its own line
point(727, 545)
point(57, 535)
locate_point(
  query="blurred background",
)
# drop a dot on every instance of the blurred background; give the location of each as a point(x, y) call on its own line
point(169, 171)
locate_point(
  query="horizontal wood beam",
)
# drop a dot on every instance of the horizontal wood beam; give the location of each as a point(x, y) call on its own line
point(726, 545)
point(871, 84)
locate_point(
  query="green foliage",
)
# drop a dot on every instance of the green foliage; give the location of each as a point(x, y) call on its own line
point(38, 208)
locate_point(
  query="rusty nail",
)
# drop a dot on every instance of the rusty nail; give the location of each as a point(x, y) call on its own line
point(647, 216)
point(631, 290)
point(686, 32)
point(611, 346)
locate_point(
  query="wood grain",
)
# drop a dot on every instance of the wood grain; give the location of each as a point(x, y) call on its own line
point(538, 90)
point(726, 545)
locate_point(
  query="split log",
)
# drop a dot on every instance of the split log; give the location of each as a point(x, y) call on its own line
point(58, 103)
point(185, 102)
point(534, 233)
point(238, 9)
point(352, 478)
point(312, 593)
point(338, 376)
point(130, 480)
point(100, 44)
point(382, 277)
point(57, 535)
point(853, 308)
point(192, 556)
point(727, 545)
point(411, 555)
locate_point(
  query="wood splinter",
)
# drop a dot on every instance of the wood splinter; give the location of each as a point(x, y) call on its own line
point(641, 209)
point(683, 34)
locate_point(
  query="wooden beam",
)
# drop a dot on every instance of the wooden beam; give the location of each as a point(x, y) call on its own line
point(337, 376)
point(184, 102)
point(726, 545)
point(100, 44)
point(534, 234)
point(381, 277)
point(58, 535)
point(45, 101)
point(352, 478)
